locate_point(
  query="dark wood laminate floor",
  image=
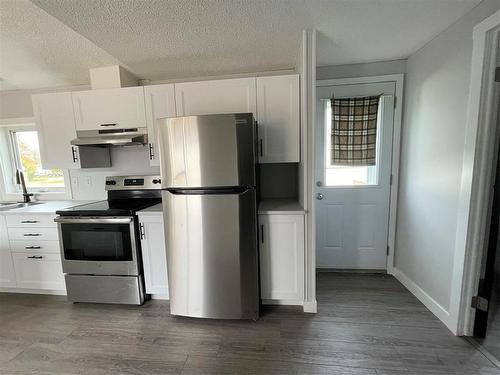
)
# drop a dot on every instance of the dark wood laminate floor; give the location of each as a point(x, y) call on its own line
point(366, 324)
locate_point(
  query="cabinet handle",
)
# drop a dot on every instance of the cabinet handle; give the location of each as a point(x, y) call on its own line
point(31, 234)
point(35, 257)
point(141, 231)
point(74, 154)
point(29, 221)
point(32, 247)
point(108, 124)
point(262, 233)
point(151, 154)
point(261, 148)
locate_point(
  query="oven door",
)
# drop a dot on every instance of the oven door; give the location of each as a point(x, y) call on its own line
point(98, 245)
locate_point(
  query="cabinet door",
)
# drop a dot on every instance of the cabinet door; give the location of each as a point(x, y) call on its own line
point(39, 271)
point(109, 108)
point(211, 97)
point(282, 257)
point(154, 257)
point(160, 103)
point(55, 124)
point(7, 275)
point(278, 119)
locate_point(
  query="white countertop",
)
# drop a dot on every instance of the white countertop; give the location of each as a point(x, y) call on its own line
point(280, 207)
point(157, 209)
point(45, 207)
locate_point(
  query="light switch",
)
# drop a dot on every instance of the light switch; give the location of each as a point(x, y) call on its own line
point(74, 181)
point(88, 181)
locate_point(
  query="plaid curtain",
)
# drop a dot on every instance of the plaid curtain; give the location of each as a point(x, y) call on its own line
point(354, 131)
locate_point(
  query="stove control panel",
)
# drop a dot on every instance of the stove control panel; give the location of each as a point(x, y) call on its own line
point(133, 182)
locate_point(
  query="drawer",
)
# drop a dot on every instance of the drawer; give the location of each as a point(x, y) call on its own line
point(30, 221)
point(33, 234)
point(38, 271)
point(35, 246)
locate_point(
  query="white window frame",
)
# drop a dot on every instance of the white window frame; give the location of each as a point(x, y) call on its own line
point(27, 123)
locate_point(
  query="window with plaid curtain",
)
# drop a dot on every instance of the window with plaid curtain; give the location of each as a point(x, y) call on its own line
point(354, 131)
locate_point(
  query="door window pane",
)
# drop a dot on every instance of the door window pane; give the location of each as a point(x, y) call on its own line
point(336, 175)
point(28, 159)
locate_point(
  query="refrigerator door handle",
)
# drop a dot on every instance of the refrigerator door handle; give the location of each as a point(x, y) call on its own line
point(205, 191)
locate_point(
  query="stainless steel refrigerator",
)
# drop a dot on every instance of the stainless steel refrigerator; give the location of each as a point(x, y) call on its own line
point(208, 173)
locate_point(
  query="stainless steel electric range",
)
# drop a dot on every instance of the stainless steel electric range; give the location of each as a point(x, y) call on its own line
point(100, 242)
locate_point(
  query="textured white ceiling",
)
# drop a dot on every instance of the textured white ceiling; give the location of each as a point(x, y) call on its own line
point(37, 50)
point(164, 39)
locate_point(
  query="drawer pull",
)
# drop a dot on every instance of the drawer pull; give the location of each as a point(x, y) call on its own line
point(109, 124)
point(35, 257)
point(32, 247)
point(31, 234)
point(29, 221)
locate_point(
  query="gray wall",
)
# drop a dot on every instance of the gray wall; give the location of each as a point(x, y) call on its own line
point(361, 70)
point(437, 88)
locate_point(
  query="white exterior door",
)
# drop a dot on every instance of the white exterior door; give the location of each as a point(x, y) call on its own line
point(352, 203)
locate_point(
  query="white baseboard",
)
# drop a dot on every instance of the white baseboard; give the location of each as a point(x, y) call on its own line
point(34, 291)
point(426, 299)
point(310, 307)
point(160, 296)
point(285, 302)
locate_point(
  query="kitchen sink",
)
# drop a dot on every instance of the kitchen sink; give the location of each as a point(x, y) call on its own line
point(11, 205)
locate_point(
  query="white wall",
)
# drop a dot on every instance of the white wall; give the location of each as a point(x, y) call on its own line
point(437, 88)
point(361, 70)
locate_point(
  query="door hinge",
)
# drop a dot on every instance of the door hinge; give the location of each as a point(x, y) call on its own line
point(497, 74)
point(390, 180)
point(479, 303)
point(387, 253)
point(395, 101)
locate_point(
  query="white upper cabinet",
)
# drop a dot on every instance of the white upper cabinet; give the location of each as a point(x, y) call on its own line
point(160, 103)
point(218, 96)
point(109, 108)
point(278, 119)
point(55, 124)
point(282, 258)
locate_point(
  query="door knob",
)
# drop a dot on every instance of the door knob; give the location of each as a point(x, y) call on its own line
point(319, 196)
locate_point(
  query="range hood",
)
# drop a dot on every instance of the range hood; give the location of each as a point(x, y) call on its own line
point(111, 137)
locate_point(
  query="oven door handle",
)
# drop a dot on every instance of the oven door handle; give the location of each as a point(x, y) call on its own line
point(82, 220)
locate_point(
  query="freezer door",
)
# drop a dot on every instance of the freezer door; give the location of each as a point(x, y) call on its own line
point(212, 258)
point(207, 151)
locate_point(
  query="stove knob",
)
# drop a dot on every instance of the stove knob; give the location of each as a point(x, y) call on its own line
point(156, 181)
point(111, 182)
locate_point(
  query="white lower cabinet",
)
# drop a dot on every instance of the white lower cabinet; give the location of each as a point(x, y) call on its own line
point(282, 246)
point(7, 275)
point(154, 257)
point(30, 257)
point(38, 271)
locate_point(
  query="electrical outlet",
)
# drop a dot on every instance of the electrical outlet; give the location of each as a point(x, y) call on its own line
point(74, 181)
point(88, 181)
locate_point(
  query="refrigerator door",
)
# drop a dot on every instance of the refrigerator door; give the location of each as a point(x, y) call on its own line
point(212, 261)
point(207, 151)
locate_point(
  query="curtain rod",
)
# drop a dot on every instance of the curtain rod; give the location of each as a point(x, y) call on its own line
point(362, 96)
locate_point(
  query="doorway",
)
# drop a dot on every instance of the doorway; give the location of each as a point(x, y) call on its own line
point(352, 208)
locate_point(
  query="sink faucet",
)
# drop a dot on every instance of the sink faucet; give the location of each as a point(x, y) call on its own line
point(20, 181)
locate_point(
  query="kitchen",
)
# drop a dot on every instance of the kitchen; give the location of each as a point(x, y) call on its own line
point(171, 199)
